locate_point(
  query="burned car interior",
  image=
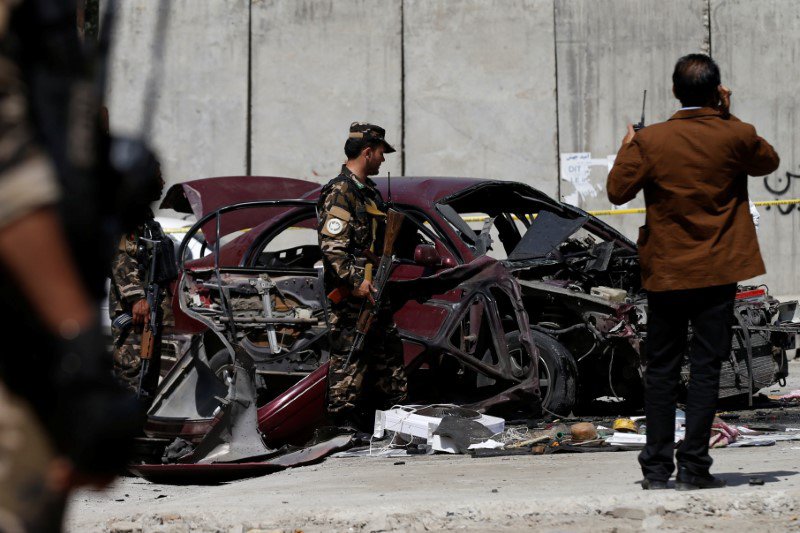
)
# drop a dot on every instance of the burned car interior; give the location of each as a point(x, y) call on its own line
point(581, 284)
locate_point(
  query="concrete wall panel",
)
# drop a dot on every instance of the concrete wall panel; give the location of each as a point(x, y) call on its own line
point(608, 52)
point(494, 88)
point(480, 87)
point(319, 65)
point(201, 105)
point(757, 46)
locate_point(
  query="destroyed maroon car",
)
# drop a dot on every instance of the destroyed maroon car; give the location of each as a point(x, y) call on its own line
point(482, 268)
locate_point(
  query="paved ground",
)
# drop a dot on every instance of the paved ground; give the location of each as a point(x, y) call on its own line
point(577, 492)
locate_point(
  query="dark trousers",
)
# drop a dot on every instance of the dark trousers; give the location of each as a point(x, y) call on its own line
point(710, 311)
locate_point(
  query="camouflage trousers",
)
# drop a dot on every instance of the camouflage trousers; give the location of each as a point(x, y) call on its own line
point(27, 501)
point(375, 377)
point(127, 363)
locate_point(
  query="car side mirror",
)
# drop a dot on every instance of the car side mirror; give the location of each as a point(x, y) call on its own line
point(427, 255)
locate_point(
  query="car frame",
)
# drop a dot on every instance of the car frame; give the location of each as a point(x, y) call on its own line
point(582, 299)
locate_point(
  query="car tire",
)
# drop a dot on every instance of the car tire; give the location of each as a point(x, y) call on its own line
point(557, 372)
point(220, 363)
point(222, 367)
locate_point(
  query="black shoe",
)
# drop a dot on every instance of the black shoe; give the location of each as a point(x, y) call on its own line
point(686, 481)
point(653, 484)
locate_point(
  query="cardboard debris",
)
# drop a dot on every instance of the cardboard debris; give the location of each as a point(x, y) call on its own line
point(407, 421)
point(793, 395)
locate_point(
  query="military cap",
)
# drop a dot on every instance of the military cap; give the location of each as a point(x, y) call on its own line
point(370, 132)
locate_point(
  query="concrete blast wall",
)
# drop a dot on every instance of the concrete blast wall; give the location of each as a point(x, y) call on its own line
point(537, 91)
point(200, 107)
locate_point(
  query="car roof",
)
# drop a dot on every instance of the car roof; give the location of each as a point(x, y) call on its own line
point(205, 195)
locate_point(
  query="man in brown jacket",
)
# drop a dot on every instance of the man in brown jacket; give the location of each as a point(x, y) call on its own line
point(697, 242)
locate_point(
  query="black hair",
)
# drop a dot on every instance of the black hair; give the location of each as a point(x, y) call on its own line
point(354, 147)
point(696, 79)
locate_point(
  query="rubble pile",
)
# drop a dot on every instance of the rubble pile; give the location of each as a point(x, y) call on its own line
point(413, 430)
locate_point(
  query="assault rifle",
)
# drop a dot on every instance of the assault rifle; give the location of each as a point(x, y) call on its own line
point(157, 251)
point(394, 219)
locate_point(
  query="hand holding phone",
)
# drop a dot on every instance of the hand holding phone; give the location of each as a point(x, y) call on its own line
point(724, 99)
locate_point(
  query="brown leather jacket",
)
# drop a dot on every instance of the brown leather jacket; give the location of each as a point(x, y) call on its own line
point(693, 170)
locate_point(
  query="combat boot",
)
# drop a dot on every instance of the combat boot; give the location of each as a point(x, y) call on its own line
point(686, 481)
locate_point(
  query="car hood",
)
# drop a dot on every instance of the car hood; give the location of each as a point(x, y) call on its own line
point(200, 197)
point(203, 196)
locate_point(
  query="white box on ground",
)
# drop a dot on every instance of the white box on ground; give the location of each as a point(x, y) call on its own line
point(405, 421)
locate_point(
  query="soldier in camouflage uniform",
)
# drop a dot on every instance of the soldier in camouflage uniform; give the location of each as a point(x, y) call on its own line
point(351, 223)
point(46, 435)
point(128, 296)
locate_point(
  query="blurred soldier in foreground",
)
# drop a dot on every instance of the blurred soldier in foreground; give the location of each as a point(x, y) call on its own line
point(64, 421)
point(698, 242)
point(351, 225)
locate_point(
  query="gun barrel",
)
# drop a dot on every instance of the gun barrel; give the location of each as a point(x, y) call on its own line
point(644, 101)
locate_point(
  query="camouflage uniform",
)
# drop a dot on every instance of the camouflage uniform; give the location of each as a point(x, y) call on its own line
point(27, 183)
point(350, 221)
point(127, 288)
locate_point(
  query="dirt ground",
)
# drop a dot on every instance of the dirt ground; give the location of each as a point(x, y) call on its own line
point(567, 492)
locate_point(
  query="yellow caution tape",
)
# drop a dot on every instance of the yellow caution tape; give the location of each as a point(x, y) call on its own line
point(600, 213)
point(768, 203)
point(484, 218)
point(617, 212)
point(765, 203)
point(177, 230)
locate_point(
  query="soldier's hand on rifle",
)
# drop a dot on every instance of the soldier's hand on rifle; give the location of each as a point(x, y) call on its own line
point(365, 290)
point(141, 312)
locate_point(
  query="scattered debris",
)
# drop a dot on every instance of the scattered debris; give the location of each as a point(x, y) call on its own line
point(722, 434)
point(583, 431)
point(626, 439)
point(446, 428)
point(625, 425)
point(490, 444)
point(793, 395)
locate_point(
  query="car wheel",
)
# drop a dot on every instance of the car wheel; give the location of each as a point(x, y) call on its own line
point(557, 374)
point(222, 367)
point(221, 364)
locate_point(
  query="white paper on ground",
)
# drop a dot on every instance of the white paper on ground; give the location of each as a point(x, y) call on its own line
point(490, 444)
point(776, 438)
point(626, 439)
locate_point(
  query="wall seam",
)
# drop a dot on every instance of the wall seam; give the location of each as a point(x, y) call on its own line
point(402, 89)
point(558, 130)
point(708, 23)
point(249, 118)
